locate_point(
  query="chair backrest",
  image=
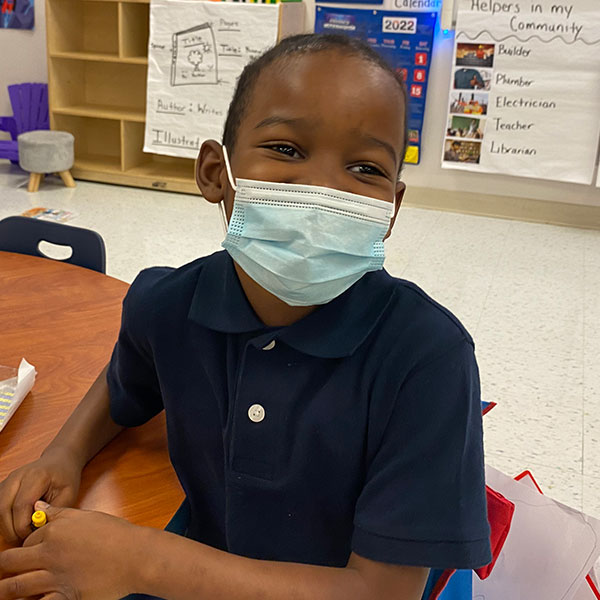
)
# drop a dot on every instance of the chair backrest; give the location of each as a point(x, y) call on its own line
point(29, 102)
point(24, 234)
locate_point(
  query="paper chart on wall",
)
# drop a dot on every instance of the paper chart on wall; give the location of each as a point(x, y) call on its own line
point(524, 89)
point(196, 52)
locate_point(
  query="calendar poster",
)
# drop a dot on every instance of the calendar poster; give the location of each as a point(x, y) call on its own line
point(525, 89)
point(405, 40)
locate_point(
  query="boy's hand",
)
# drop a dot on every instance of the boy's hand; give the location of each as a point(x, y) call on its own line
point(77, 555)
point(55, 477)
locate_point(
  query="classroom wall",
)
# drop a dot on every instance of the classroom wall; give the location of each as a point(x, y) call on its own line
point(23, 55)
point(27, 62)
point(429, 173)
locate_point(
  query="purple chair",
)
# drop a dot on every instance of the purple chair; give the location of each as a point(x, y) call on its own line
point(29, 102)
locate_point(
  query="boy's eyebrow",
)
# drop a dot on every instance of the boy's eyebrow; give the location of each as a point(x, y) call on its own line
point(276, 120)
point(387, 147)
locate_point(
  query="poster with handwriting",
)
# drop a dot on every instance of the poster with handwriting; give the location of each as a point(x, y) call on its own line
point(524, 90)
point(196, 52)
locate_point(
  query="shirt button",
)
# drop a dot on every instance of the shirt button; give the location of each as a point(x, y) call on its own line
point(270, 345)
point(256, 413)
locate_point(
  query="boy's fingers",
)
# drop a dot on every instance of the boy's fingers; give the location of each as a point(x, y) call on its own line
point(19, 560)
point(8, 491)
point(34, 538)
point(65, 497)
point(52, 512)
point(32, 488)
point(26, 585)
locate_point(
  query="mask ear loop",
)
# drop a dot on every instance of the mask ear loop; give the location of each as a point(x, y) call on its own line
point(223, 218)
point(228, 167)
point(222, 203)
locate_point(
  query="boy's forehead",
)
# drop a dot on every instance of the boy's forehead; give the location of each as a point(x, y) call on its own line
point(328, 87)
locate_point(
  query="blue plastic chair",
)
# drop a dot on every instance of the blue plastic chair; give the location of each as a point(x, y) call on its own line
point(24, 234)
point(29, 102)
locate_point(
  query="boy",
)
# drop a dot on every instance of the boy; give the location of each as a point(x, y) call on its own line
point(323, 417)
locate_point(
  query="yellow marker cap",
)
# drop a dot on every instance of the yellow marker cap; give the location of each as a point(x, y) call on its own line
point(38, 518)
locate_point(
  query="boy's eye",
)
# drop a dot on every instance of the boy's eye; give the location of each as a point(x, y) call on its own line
point(285, 149)
point(367, 170)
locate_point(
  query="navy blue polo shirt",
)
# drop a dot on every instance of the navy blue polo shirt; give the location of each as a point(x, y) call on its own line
point(357, 428)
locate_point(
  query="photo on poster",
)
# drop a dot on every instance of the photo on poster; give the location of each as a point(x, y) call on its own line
point(462, 152)
point(469, 103)
point(472, 79)
point(465, 127)
point(475, 55)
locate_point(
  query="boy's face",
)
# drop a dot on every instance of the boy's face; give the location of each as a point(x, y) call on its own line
point(324, 119)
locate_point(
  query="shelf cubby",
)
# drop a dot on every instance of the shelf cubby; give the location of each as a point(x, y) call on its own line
point(134, 29)
point(107, 90)
point(97, 142)
point(82, 27)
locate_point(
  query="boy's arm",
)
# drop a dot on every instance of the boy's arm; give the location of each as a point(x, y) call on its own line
point(89, 555)
point(90, 426)
point(181, 569)
point(56, 475)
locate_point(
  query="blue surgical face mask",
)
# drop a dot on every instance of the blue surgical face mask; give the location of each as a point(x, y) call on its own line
point(303, 243)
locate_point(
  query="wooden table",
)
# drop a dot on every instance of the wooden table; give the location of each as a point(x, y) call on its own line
point(64, 320)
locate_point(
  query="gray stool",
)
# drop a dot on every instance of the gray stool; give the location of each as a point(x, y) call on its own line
point(42, 152)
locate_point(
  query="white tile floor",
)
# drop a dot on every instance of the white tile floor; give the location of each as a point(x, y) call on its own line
point(528, 293)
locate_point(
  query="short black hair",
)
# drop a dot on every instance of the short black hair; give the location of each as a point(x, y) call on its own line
point(292, 46)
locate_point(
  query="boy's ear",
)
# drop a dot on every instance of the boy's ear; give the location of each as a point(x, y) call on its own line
point(400, 189)
point(210, 165)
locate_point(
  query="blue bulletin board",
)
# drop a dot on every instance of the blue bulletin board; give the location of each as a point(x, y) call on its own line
point(405, 40)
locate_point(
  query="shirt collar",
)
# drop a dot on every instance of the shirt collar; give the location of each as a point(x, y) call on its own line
point(219, 302)
point(333, 330)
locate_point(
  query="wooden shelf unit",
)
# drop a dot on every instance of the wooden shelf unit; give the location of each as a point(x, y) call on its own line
point(97, 71)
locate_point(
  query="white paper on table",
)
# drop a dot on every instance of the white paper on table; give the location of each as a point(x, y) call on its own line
point(549, 550)
point(595, 573)
point(529, 483)
point(25, 380)
point(585, 592)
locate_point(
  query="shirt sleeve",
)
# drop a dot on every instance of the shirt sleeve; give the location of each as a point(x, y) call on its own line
point(423, 502)
point(134, 390)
